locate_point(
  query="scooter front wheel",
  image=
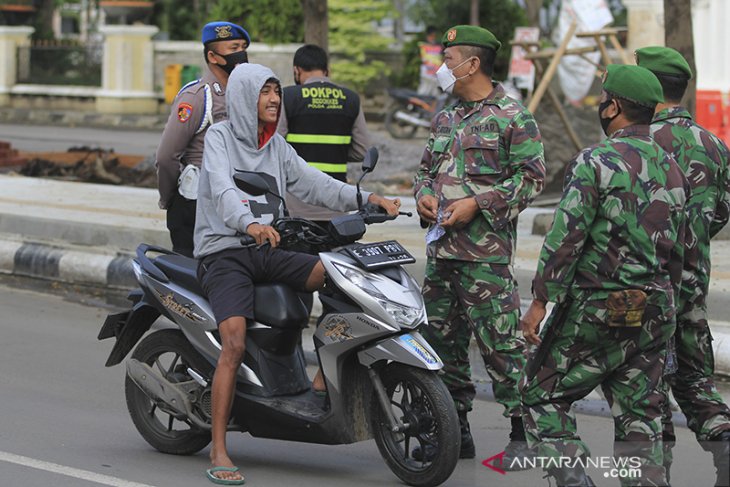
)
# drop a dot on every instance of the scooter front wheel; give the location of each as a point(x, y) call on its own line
point(399, 129)
point(422, 403)
point(169, 352)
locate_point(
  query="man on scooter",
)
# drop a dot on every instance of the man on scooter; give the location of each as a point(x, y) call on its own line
point(227, 270)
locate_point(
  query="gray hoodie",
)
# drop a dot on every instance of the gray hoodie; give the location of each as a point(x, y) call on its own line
point(223, 210)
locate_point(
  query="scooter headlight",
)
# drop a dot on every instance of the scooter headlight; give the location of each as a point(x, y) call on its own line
point(405, 316)
point(359, 279)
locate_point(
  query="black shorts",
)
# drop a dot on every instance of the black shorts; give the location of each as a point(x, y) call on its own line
point(228, 276)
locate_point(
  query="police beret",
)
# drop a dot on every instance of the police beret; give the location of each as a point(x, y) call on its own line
point(224, 31)
point(633, 83)
point(663, 60)
point(470, 35)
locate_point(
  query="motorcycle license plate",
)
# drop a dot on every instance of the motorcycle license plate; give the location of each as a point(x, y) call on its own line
point(380, 254)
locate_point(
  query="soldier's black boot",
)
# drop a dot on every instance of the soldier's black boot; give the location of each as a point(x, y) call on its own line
point(669, 441)
point(517, 455)
point(467, 443)
point(571, 477)
point(720, 448)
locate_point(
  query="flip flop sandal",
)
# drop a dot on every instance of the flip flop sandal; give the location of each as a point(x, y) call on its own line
point(210, 473)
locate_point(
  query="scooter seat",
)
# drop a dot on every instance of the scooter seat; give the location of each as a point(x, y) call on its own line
point(276, 305)
point(182, 270)
point(405, 94)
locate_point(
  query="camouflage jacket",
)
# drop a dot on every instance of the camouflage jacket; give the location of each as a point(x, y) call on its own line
point(489, 149)
point(704, 159)
point(619, 224)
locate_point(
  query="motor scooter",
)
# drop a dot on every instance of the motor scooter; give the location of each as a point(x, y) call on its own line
point(410, 110)
point(380, 374)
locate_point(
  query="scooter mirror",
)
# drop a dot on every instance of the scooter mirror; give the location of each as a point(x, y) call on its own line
point(371, 158)
point(251, 183)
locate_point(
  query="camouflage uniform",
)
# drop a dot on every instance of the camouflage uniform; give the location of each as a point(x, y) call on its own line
point(619, 226)
point(491, 150)
point(704, 160)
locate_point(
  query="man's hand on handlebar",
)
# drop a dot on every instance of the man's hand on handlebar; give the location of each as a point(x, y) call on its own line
point(263, 234)
point(390, 206)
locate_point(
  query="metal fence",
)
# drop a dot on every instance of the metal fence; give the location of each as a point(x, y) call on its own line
point(60, 63)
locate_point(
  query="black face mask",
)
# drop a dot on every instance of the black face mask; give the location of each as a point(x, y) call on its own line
point(605, 122)
point(232, 59)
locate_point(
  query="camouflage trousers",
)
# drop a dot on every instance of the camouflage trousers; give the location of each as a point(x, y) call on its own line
point(628, 365)
point(465, 298)
point(692, 384)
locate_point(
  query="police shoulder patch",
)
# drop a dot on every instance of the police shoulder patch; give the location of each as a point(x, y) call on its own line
point(184, 112)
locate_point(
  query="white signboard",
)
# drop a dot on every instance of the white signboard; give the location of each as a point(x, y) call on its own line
point(521, 70)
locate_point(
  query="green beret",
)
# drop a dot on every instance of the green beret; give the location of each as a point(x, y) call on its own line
point(633, 83)
point(663, 60)
point(470, 35)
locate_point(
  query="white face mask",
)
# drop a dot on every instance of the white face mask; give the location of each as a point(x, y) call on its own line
point(446, 78)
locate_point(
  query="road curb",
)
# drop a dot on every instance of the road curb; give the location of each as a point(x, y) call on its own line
point(52, 262)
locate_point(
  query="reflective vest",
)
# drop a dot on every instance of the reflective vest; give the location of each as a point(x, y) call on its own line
point(320, 117)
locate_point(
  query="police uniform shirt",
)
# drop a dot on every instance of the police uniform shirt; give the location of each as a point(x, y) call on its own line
point(182, 140)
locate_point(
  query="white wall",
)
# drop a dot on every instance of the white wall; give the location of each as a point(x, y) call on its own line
point(710, 19)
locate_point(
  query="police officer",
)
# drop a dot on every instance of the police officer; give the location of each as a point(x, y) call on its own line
point(199, 104)
point(483, 164)
point(704, 159)
point(324, 123)
point(612, 262)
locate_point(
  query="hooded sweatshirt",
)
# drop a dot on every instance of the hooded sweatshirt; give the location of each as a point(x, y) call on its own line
point(224, 211)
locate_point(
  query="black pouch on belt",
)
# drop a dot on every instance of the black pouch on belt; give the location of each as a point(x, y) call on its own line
point(626, 308)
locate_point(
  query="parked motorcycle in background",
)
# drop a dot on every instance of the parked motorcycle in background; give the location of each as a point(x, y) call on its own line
point(410, 110)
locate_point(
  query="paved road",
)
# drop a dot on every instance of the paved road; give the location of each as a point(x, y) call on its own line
point(40, 138)
point(64, 421)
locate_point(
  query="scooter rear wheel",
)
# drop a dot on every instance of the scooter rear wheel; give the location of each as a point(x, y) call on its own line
point(170, 353)
point(396, 128)
point(420, 401)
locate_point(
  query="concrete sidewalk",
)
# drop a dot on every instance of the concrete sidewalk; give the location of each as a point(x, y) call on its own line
point(84, 233)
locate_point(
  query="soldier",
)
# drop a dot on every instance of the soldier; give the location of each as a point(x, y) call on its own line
point(612, 262)
point(704, 159)
point(483, 164)
point(199, 104)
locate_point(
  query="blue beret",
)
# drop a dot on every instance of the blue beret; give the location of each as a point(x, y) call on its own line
point(224, 31)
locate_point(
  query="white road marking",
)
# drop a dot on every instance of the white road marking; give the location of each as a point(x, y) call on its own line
point(68, 471)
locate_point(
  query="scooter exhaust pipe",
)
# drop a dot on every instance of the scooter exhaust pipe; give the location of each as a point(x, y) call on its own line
point(404, 117)
point(161, 390)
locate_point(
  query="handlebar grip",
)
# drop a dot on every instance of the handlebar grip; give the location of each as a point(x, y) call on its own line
point(247, 241)
point(373, 209)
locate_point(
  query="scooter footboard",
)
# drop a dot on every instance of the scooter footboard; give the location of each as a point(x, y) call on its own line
point(409, 348)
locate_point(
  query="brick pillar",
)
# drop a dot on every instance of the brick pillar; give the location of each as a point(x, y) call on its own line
point(11, 37)
point(127, 79)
